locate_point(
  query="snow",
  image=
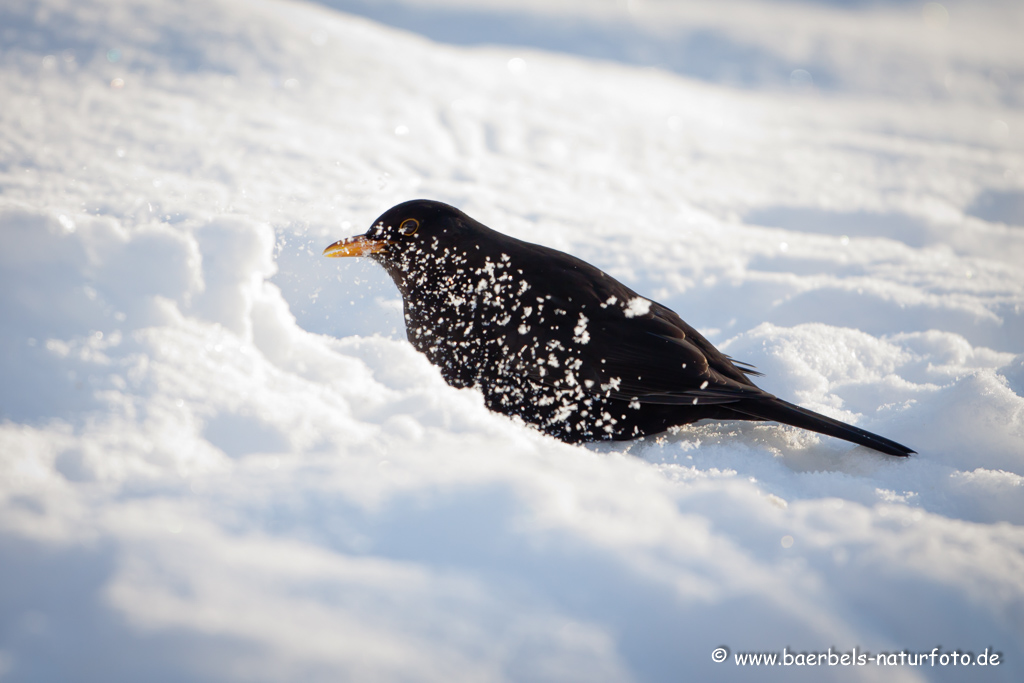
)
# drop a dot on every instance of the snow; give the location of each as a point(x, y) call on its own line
point(220, 459)
point(637, 306)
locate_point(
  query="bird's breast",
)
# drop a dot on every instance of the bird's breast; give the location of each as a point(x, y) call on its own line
point(489, 320)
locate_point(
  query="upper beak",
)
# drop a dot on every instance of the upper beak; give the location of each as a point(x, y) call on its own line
point(360, 245)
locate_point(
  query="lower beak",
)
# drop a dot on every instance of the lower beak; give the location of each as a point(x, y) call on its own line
point(361, 245)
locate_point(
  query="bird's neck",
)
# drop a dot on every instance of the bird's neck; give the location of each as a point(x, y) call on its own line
point(456, 285)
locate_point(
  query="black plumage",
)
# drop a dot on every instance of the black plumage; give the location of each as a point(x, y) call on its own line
point(558, 342)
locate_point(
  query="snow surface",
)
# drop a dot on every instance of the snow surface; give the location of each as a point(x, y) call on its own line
point(220, 460)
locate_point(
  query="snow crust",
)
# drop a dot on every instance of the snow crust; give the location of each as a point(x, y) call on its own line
point(221, 460)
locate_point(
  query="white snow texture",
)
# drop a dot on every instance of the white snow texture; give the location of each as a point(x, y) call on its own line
point(220, 460)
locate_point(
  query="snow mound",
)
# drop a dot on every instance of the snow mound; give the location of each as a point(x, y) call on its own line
point(219, 459)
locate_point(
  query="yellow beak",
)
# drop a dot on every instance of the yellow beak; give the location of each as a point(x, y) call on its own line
point(360, 245)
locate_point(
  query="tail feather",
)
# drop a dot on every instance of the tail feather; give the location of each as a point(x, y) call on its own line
point(778, 410)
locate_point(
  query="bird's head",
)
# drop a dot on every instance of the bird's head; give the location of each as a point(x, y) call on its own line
point(411, 237)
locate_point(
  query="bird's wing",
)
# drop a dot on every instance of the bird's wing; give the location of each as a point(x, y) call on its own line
point(648, 366)
point(628, 347)
point(648, 359)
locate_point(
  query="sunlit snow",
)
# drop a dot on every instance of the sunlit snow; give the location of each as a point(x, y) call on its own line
point(221, 460)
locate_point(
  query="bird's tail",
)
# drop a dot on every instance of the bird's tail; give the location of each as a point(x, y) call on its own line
point(778, 410)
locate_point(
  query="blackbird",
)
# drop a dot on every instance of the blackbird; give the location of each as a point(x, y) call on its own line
point(558, 342)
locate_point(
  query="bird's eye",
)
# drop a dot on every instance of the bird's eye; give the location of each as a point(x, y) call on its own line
point(409, 226)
